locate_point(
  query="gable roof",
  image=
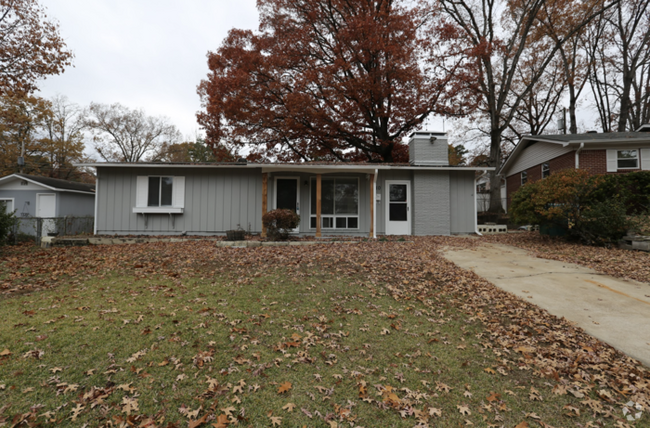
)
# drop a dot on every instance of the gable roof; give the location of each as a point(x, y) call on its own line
point(592, 140)
point(53, 183)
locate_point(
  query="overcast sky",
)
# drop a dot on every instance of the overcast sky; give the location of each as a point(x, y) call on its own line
point(148, 54)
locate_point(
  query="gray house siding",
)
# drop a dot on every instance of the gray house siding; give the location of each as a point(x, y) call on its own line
point(24, 201)
point(462, 209)
point(75, 204)
point(216, 200)
point(431, 207)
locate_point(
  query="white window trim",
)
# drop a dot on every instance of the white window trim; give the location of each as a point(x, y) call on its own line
point(142, 192)
point(335, 216)
point(645, 159)
point(548, 170)
point(627, 167)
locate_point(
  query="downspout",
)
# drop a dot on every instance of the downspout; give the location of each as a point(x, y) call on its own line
point(374, 212)
point(578, 155)
point(96, 202)
point(476, 205)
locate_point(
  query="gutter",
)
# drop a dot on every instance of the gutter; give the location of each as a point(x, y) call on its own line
point(582, 145)
point(374, 211)
point(96, 202)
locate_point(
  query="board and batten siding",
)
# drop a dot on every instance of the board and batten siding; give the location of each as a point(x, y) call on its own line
point(76, 205)
point(216, 200)
point(462, 209)
point(536, 154)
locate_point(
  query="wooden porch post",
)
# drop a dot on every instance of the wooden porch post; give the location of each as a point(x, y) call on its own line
point(372, 205)
point(265, 197)
point(318, 205)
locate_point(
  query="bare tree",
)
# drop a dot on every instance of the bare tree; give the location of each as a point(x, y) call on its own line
point(124, 135)
point(500, 36)
point(63, 137)
point(620, 59)
point(537, 110)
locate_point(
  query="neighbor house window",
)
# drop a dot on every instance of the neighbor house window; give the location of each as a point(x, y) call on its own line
point(628, 159)
point(524, 177)
point(339, 203)
point(160, 191)
point(546, 170)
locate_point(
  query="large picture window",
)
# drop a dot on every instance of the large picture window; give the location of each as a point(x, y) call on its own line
point(339, 203)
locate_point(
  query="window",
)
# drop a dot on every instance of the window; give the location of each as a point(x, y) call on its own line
point(546, 170)
point(159, 194)
point(160, 191)
point(524, 177)
point(627, 159)
point(7, 205)
point(339, 203)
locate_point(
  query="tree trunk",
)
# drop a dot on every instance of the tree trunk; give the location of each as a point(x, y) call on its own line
point(495, 179)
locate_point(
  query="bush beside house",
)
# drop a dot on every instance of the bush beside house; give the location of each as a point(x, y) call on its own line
point(7, 222)
point(279, 223)
point(595, 209)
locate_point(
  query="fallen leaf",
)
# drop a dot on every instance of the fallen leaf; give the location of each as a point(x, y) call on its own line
point(284, 387)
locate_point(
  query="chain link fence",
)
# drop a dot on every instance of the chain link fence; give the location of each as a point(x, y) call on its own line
point(34, 228)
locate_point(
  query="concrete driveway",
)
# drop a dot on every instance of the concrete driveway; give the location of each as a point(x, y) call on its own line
point(613, 310)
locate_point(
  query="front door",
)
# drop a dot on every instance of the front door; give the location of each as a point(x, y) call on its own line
point(46, 209)
point(398, 208)
point(287, 194)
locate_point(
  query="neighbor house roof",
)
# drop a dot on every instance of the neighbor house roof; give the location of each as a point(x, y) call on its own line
point(53, 183)
point(591, 140)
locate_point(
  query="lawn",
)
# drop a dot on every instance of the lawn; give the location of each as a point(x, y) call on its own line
point(359, 334)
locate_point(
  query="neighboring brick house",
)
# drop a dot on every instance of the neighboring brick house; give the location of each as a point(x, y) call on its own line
point(538, 156)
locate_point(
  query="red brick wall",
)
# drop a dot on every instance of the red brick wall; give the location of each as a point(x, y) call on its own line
point(566, 161)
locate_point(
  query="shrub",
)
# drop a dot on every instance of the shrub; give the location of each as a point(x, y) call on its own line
point(592, 208)
point(279, 223)
point(7, 222)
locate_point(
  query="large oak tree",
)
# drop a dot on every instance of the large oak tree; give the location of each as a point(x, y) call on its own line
point(30, 46)
point(331, 80)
